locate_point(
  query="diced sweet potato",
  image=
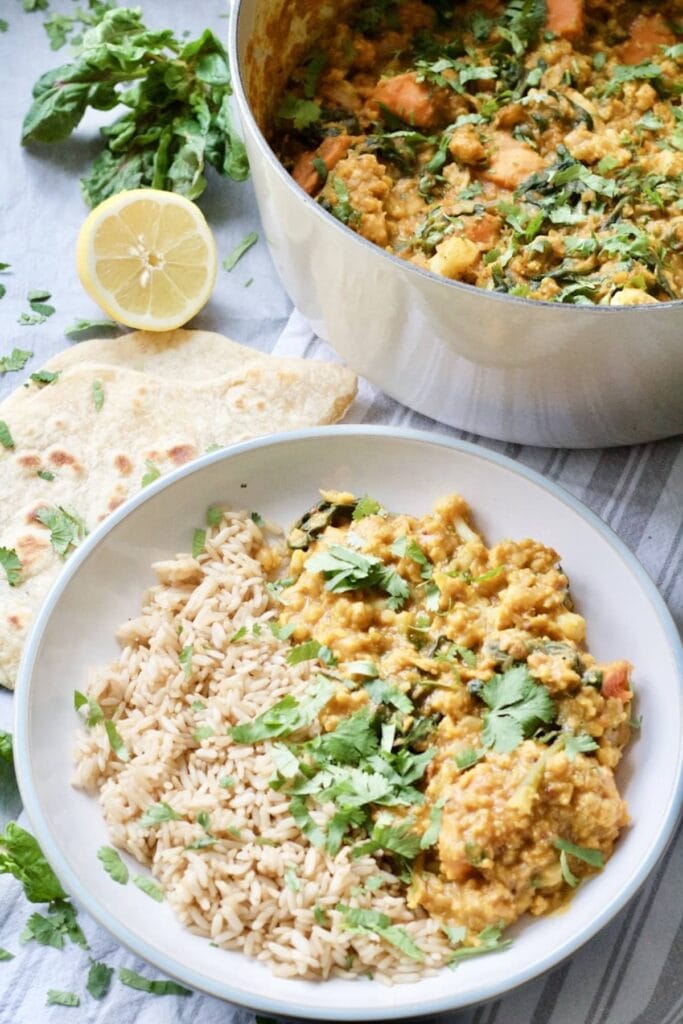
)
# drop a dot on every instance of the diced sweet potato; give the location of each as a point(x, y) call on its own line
point(407, 98)
point(511, 162)
point(615, 681)
point(647, 34)
point(483, 230)
point(566, 18)
point(331, 150)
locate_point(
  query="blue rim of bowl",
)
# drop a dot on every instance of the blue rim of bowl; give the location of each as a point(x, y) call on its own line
point(268, 154)
point(258, 1001)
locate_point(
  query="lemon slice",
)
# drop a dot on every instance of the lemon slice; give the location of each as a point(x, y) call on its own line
point(148, 258)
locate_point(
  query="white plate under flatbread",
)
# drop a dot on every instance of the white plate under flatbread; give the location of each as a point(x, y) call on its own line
point(121, 409)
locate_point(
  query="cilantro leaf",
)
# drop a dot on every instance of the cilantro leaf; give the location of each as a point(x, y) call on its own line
point(156, 988)
point(303, 113)
point(97, 394)
point(43, 377)
point(157, 813)
point(149, 887)
point(406, 547)
point(113, 865)
point(588, 855)
point(83, 326)
point(400, 839)
point(518, 705)
point(580, 744)
point(6, 752)
point(198, 542)
point(240, 249)
point(66, 527)
point(468, 758)
point(6, 439)
point(21, 856)
point(57, 997)
point(309, 651)
point(431, 836)
point(5, 954)
point(115, 741)
point(99, 979)
point(281, 632)
point(366, 507)
point(94, 713)
point(185, 659)
point(382, 692)
point(153, 473)
point(16, 360)
point(11, 563)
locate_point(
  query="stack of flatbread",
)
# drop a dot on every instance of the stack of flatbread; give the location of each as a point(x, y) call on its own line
point(120, 410)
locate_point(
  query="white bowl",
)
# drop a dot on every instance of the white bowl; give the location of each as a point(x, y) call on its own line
point(102, 585)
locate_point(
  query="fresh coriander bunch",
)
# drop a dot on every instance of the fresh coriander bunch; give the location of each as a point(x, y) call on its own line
point(177, 95)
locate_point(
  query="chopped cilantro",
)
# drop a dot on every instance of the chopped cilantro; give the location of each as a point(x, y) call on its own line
point(21, 856)
point(43, 377)
point(115, 741)
point(198, 542)
point(238, 252)
point(156, 988)
point(99, 979)
point(227, 782)
point(6, 439)
point(488, 941)
point(113, 865)
point(5, 954)
point(185, 659)
point(66, 527)
point(309, 651)
point(45, 474)
point(97, 394)
point(431, 836)
point(149, 887)
point(158, 813)
point(82, 326)
point(202, 732)
point(281, 632)
point(291, 880)
point(238, 635)
point(94, 713)
point(588, 855)
point(56, 997)
point(153, 473)
point(302, 112)
point(6, 747)
point(11, 563)
point(16, 360)
point(366, 507)
point(345, 570)
point(468, 757)
point(356, 919)
point(214, 515)
point(581, 744)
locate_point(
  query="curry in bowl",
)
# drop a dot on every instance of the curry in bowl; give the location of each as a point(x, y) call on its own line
point(366, 752)
point(532, 148)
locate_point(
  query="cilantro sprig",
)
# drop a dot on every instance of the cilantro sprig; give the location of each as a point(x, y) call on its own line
point(518, 705)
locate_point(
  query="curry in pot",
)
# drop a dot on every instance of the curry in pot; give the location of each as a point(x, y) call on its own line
point(533, 148)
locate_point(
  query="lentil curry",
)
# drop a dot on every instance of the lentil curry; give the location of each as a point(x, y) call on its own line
point(533, 148)
point(464, 733)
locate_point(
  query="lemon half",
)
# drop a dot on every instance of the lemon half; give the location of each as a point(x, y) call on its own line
point(148, 258)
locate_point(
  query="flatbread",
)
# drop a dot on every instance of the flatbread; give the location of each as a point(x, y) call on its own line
point(190, 391)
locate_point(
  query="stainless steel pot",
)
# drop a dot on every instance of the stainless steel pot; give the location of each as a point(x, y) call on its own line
point(530, 372)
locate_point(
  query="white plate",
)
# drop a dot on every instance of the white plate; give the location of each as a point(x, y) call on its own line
point(279, 477)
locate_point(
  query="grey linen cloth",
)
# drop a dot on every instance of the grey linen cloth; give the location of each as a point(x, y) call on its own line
point(630, 973)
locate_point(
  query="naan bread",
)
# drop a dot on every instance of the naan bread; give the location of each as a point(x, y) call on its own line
point(189, 391)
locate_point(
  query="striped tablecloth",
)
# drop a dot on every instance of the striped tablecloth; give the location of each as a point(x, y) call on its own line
point(629, 973)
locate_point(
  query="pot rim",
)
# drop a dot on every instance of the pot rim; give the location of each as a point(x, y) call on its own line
point(249, 123)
